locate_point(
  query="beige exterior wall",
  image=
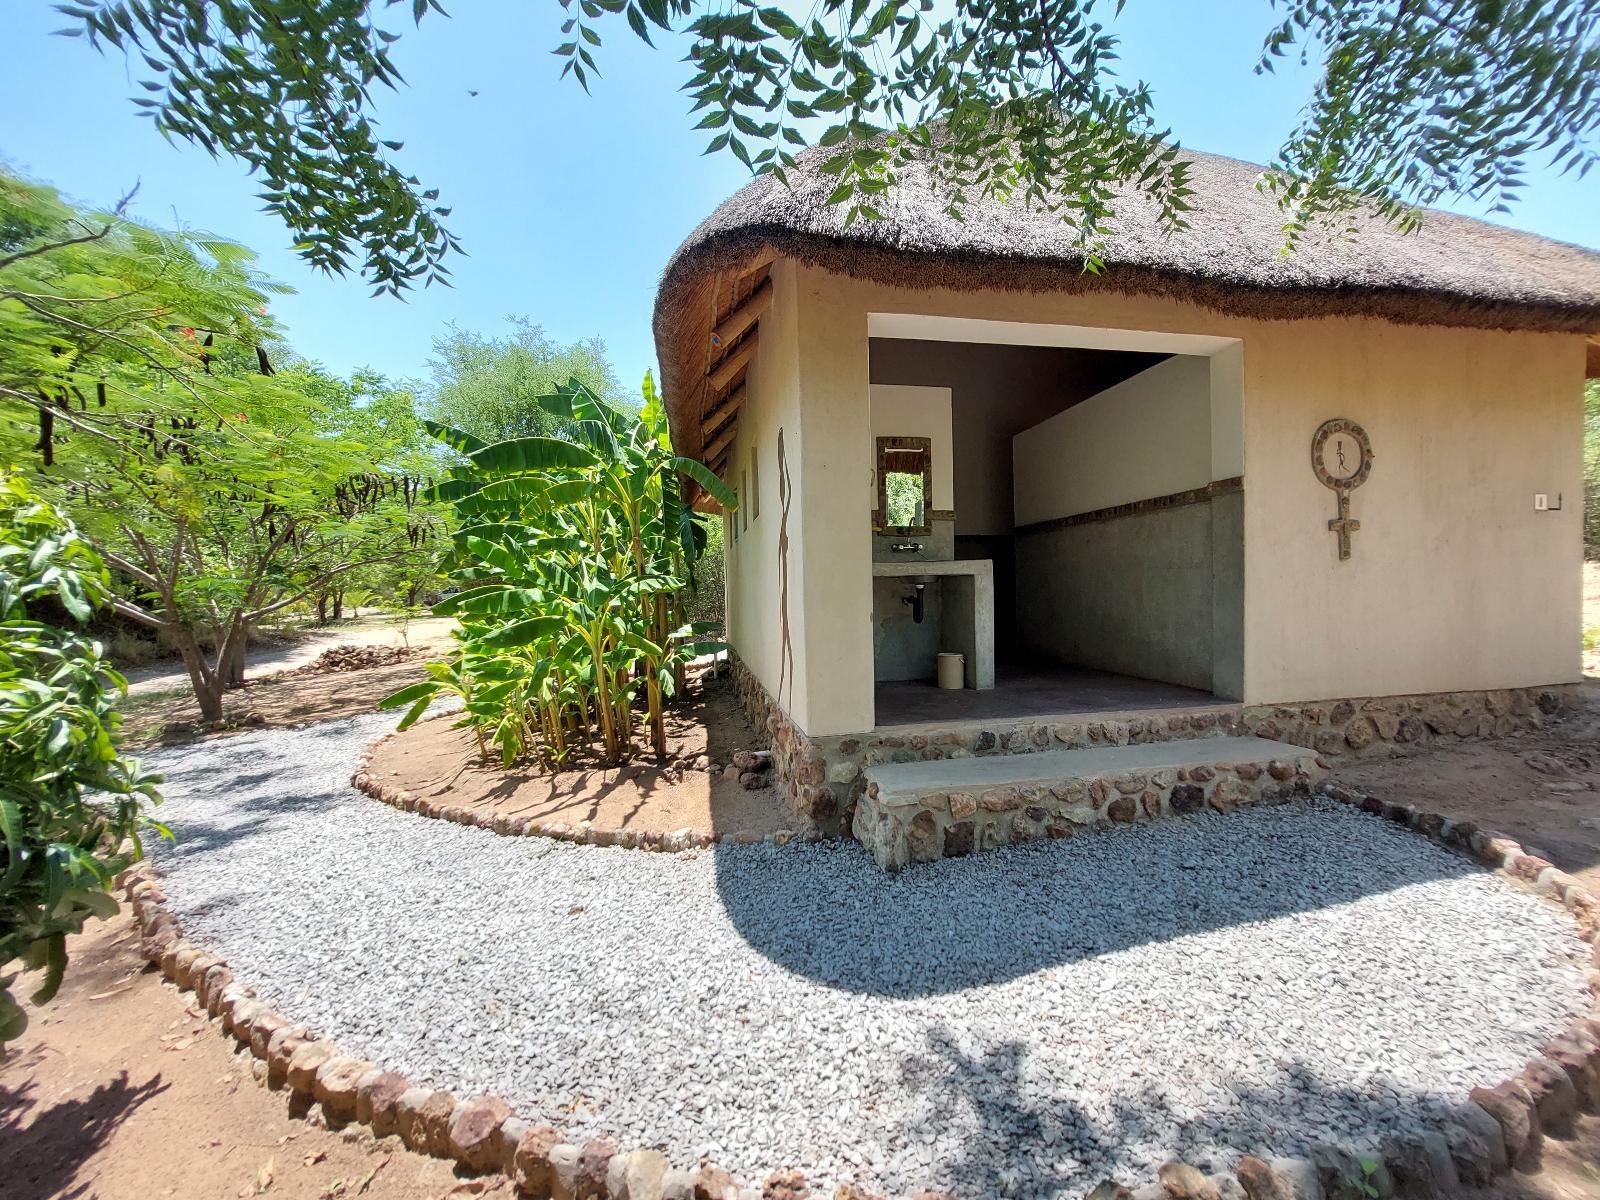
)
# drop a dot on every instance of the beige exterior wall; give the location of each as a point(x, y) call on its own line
point(1456, 582)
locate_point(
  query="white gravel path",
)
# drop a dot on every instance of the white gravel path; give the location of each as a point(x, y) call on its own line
point(1021, 1023)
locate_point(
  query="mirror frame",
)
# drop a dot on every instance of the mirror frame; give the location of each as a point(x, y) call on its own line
point(894, 447)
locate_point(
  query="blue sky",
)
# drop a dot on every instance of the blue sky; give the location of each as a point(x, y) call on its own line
point(568, 204)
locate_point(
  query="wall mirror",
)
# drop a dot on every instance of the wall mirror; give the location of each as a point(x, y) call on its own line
point(905, 485)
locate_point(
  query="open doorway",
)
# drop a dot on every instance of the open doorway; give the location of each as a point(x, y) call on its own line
point(1102, 483)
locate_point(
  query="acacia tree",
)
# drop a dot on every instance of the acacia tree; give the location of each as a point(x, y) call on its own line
point(1418, 101)
point(134, 376)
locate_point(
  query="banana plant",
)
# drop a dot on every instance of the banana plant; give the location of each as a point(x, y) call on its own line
point(573, 557)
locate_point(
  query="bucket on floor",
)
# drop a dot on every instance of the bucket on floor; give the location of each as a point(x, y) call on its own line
point(952, 671)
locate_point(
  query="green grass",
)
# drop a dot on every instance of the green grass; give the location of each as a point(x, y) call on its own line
point(1591, 638)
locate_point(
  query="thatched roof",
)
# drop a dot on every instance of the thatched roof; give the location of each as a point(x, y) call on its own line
point(1453, 271)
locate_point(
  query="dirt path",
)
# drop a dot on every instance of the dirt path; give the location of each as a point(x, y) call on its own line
point(121, 1090)
point(276, 701)
point(268, 659)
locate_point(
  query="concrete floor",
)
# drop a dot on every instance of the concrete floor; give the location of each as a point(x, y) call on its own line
point(1022, 691)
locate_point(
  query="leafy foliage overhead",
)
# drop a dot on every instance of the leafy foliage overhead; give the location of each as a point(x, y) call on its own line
point(1419, 101)
point(284, 87)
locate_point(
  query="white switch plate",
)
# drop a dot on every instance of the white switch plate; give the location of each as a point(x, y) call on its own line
point(1541, 502)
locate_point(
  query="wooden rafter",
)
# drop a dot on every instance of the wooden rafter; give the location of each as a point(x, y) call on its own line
point(724, 440)
point(726, 408)
point(723, 373)
point(730, 328)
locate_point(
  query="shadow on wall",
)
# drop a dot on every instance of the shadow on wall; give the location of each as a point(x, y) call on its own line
point(940, 928)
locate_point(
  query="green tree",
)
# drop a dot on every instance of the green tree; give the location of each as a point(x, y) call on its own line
point(1418, 101)
point(72, 809)
point(490, 387)
point(133, 371)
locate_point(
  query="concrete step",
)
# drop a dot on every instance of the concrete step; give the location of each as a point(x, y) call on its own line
point(921, 811)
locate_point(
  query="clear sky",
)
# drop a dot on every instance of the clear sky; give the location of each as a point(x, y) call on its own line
point(568, 205)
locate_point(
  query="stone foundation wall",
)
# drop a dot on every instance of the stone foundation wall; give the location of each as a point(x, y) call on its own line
point(928, 825)
point(821, 781)
point(1389, 723)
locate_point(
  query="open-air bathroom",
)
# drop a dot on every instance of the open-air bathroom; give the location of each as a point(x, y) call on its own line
point(1066, 519)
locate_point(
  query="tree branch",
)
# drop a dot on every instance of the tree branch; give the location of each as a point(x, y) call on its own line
point(318, 581)
point(48, 247)
point(130, 568)
point(135, 613)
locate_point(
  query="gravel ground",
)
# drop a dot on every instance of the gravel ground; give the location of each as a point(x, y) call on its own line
point(1021, 1023)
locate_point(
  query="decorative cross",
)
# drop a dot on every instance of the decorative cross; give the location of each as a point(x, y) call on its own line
point(1344, 525)
point(1341, 458)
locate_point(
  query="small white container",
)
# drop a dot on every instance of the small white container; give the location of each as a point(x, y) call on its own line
point(952, 671)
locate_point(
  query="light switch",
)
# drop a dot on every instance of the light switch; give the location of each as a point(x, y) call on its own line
point(1541, 502)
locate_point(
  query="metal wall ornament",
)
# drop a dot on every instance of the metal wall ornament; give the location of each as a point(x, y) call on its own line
point(1341, 458)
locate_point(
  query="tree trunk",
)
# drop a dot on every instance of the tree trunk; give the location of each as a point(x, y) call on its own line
point(207, 684)
point(338, 606)
point(322, 608)
point(231, 667)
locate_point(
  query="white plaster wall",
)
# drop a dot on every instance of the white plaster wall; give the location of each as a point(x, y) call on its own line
point(1456, 582)
point(899, 410)
point(754, 575)
point(1146, 436)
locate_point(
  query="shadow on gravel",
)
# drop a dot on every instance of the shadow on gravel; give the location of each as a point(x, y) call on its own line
point(825, 911)
point(1040, 1142)
point(197, 835)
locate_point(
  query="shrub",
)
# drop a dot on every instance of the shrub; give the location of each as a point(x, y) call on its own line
point(71, 807)
point(573, 559)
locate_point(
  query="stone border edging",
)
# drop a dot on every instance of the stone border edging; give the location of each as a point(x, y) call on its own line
point(1496, 1130)
point(583, 833)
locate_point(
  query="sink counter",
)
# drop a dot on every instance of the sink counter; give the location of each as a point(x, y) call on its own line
point(949, 566)
point(966, 606)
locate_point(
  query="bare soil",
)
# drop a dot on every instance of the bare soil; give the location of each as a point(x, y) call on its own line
point(692, 788)
point(277, 700)
point(121, 1090)
point(1542, 789)
point(286, 647)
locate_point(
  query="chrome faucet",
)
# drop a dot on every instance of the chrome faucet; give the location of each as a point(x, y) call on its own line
point(906, 547)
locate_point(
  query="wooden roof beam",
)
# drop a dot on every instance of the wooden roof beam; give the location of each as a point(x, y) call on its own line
point(725, 409)
point(724, 440)
point(722, 373)
point(747, 314)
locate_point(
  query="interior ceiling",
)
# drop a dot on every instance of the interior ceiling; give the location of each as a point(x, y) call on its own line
point(1047, 379)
